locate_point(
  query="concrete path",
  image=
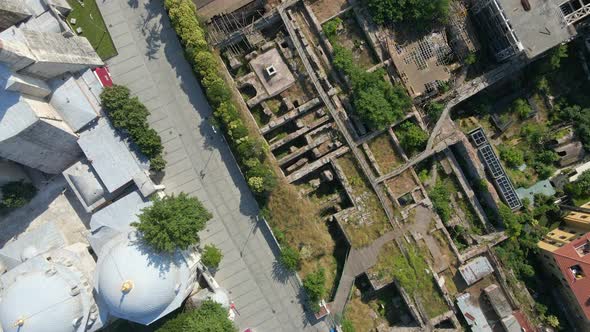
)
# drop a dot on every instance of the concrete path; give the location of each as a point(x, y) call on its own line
point(151, 63)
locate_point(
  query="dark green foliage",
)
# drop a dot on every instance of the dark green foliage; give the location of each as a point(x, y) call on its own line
point(440, 199)
point(130, 115)
point(172, 222)
point(347, 326)
point(556, 55)
point(376, 101)
point(512, 156)
point(315, 285)
point(522, 108)
point(211, 256)
point(290, 258)
point(209, 317)
point(511, 221)
point(16, 194)
point(579, 117)
point(411, 137)
point(331, 27)
point(434, 110)
point(471, 58)
point(419, 11)
point(580, 187)
point(183, 16)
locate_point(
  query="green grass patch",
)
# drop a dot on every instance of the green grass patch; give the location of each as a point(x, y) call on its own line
point(89, 18)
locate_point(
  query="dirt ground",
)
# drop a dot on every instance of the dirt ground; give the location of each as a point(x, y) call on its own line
point(402, 183)
point(384, 152)
point(325, 9)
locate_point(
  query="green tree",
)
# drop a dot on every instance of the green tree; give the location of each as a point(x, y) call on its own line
point(510, 220)
point(556, 55)
point(552, 321)
point(172, 222)
point(114, 98)
point(580, 187)
point(331, 27)
point(209, 317)
point(211, 256)
point(290, 258)
point(347, 326)
point(434, 110)
point(411, 137)
point(16, 194)
point(511, 155)
point(471, 58)
point(522, 108)
point(315, 285)
point(440, 200)
point(421, 11)
point(543, 85)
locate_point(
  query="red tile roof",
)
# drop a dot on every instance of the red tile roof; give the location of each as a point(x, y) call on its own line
point(566, 257)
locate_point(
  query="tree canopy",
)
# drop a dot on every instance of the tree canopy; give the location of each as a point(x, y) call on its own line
point(209, 317)
point(423, 11)
point(211, 256)
point(16, 194)
point(411, 137)
point(580, 187)
point(173, 222)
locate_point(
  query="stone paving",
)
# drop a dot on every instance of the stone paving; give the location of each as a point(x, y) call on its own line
point(151, 63)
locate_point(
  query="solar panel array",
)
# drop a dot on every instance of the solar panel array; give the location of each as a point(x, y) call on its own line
point(494, 167)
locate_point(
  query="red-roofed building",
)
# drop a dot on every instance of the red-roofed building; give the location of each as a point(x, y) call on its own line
point(566, 254)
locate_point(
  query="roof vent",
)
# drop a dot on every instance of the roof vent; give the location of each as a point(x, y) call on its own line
point(526, 5)
point(271, 71)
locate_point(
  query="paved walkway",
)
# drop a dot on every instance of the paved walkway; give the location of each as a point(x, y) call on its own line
point(151, 63)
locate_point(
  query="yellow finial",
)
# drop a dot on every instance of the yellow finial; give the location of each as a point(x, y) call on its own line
point(127, 286)
point(20, 322)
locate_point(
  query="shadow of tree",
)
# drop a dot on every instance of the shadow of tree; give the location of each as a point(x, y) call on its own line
point(279, 273)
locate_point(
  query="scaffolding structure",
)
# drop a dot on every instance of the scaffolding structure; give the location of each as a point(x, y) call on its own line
point(499, 34)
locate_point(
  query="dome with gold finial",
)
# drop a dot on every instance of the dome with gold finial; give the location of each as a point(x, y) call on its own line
point(139, 284)
point(42, 301)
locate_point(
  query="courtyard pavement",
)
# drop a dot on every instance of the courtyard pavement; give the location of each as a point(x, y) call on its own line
point(151, 63)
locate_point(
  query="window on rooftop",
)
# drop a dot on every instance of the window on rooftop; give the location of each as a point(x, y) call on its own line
point(583, 249)
point(577, 271)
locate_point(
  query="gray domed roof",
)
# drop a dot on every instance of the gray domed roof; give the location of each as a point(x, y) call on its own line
point(136, 283)
point(40, 302)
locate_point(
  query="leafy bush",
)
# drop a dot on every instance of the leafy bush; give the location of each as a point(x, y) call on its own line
point(315, 285)
point(377, 102)
point(290, 258)
point(511, 155)
point(411, 137)
point(183, 15)
point(440, 200)
point(209, 317)
point(419, 11)
point(172, 222)
point(16, 194)
point(471, 58)
point(130, 115)
point(581, 187)
point(522, 108)
point(347, 326)
point(331, 27)
point(211, 256)
point(434, 110)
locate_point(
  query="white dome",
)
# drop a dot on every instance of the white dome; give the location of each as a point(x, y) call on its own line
point(137, 283)
point(40, 302)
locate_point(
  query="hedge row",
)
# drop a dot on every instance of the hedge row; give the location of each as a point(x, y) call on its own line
point(249, 151)
point(130, 115)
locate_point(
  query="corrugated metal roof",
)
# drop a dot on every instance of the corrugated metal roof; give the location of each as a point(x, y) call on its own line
point(475, 270)
point(120, 214)
point(472, 313)
point(109, 155)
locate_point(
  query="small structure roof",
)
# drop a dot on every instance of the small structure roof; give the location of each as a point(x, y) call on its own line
point(540, 28)
point(281, 80)
point(473, 314)
point(109, 155)
point(72, 103)
point(86, 184)
point(120, 214)
point(42, 239)
point(498, 301)
point(543, 187)
point(475, 270)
